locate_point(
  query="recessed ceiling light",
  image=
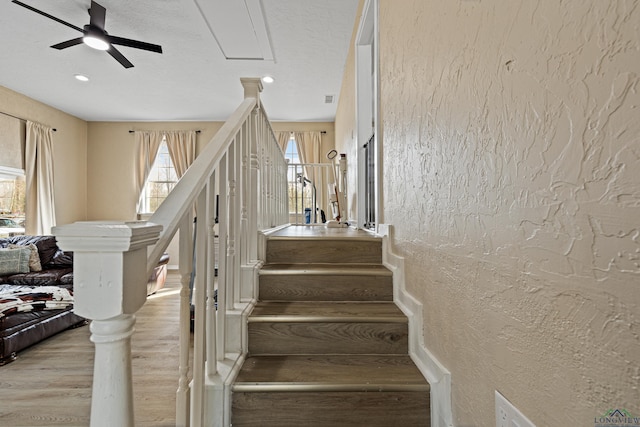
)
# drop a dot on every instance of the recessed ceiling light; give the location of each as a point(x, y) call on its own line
point(81, 77)
point(268, 79)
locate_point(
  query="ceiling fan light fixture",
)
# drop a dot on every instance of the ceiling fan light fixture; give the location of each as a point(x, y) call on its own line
point(95, 42)
point(95, 38)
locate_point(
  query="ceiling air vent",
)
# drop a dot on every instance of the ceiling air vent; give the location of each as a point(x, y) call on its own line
point(328, 99)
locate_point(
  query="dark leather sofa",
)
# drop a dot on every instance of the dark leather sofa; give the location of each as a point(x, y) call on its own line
point(19, 330)
point(23, 329)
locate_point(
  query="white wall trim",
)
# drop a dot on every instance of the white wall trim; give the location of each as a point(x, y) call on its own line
point(438, 376)
point(367, 92)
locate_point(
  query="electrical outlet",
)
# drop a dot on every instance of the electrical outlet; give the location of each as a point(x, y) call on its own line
point(502, 418)
point(508, 415)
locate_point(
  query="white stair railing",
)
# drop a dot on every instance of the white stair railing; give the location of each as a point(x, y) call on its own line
point(242, 165)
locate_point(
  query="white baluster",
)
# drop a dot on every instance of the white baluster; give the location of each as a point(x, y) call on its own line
point(254, 185)
point(223, 223)
point(212, 364)
point(246, 284)
point(199, 337)
point(231, 248)
point(237, 207)
point(183, 394)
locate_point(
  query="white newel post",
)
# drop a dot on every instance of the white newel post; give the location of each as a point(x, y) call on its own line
point(110, 286)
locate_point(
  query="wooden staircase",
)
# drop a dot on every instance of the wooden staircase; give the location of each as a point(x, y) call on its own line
point(327, 345)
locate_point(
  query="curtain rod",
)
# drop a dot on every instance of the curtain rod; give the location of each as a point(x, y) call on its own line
point(294, 131)
point(133, 131)
point(21, 119)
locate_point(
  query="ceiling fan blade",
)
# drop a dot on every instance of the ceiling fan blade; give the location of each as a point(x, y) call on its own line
point(135, 43)
point(97, 14)
point(26, 6)
point(68, 43)
point(119, 57)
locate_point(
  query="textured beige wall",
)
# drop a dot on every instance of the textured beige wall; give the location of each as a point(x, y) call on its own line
point(69, 152)
point(512, 174)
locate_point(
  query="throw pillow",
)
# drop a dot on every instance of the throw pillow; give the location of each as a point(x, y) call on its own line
point(34, 258)
point(46, 245)
point(13, 261)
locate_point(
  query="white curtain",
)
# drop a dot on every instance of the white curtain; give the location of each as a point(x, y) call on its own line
point(41, 214)
point(148, 143)
point(283, 139)
point(182, 149)
point(309, 145)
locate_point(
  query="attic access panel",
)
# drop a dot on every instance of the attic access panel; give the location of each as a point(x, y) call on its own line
point(239, 28)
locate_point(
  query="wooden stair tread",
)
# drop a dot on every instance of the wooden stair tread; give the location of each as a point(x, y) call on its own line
point(325, 269)
point(330, 373)
point(302, 311)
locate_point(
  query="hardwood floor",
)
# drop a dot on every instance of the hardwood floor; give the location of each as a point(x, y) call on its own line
point(50, 383)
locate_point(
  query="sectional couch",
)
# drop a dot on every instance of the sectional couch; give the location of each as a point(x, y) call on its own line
point(36, 292)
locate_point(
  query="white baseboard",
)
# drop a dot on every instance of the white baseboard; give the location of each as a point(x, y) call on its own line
point(438, 376)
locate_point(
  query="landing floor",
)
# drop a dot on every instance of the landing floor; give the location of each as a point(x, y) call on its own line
point(321, 231)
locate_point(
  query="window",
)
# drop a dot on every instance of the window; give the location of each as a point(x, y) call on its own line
point(291, 153)
point(160, 181)
point(12, 201)
point(301, 193)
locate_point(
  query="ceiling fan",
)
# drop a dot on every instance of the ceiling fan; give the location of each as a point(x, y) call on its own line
point(95, 36)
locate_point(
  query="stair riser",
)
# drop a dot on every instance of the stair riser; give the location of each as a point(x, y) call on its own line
point(327, 338)
point(322, 409)
point(325, 288)
point(324, 251)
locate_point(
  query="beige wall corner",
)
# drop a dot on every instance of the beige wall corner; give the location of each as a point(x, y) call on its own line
point(345, 125)
point(69, 152)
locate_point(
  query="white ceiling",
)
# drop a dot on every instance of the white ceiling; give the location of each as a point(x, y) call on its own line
point(191, 80)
